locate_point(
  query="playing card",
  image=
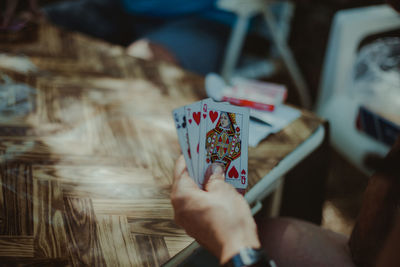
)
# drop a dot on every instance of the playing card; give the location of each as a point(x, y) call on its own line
point(193, 115)
point(224, 132)
point(181, 128)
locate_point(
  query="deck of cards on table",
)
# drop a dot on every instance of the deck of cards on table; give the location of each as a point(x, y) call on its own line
point(211, 132)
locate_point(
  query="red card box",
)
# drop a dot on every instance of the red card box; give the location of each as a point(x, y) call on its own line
point(254, 94)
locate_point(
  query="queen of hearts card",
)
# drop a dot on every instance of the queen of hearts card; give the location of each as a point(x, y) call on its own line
point(223, 143)
point(224, 139)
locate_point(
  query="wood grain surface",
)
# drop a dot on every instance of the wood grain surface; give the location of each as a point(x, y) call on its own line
point(87, 150)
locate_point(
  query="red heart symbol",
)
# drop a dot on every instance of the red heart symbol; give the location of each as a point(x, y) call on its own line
point(213, 115)
point(190, 121)
point(233, 173)
point(204, 115)
point(196, 117)
point(243, 172)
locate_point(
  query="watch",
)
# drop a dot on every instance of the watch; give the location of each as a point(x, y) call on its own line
point(250, 257)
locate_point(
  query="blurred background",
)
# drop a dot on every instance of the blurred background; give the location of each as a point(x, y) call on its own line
point(338, 58)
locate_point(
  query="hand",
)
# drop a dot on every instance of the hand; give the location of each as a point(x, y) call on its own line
point(218, 217)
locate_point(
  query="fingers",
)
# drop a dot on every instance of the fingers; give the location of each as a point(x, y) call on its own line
point(215, 179)
point(180, 167)
point(182, 181)
point(184, 191)
point(215, 170)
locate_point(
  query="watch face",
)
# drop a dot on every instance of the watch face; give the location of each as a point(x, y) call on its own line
point(249, 256)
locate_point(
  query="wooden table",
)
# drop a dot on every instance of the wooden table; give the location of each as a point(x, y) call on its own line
point(87, 149)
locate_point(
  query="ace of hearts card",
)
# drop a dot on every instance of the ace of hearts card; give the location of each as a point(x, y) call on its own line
point(224, 134)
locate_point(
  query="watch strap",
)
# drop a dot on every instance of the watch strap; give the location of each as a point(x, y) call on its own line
point(250, 257)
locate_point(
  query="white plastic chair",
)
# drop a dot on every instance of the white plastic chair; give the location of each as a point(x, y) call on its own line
point(335, 101)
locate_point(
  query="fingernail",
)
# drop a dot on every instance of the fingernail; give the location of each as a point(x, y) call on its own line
point(217, 169)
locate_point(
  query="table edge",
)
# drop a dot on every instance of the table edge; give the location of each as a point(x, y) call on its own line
point(264, 187)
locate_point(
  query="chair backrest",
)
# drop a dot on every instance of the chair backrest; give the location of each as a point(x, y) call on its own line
point(348, 29)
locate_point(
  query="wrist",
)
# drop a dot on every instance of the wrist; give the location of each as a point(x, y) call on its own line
point(250, 257)
point(233, 247)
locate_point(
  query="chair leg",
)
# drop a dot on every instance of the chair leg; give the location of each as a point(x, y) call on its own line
point(234, 46)
point(277, 199)
point(288, 59)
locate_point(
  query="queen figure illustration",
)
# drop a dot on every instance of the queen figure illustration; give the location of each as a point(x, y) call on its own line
point(223, 142)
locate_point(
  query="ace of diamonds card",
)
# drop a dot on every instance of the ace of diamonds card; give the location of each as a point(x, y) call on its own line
point(224, 133)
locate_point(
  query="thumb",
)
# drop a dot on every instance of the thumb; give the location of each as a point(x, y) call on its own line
point(214, 172)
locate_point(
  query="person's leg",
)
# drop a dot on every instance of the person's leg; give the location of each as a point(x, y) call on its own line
point(292, 242)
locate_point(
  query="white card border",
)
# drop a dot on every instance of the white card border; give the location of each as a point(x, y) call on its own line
point(245, 130)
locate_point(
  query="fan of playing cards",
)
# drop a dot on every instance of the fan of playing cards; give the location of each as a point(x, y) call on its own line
point(211, 132)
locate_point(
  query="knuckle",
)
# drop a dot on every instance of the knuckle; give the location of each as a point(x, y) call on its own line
point(178, 199)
